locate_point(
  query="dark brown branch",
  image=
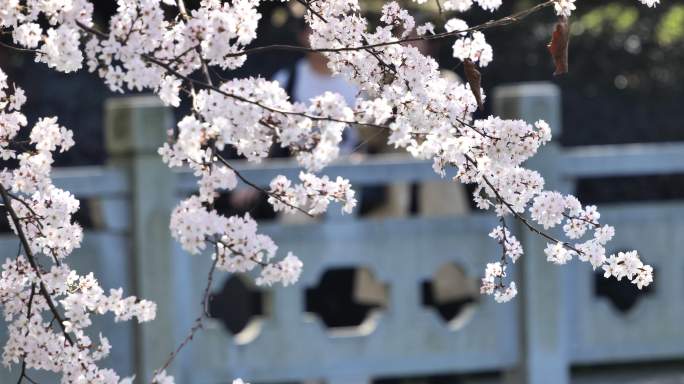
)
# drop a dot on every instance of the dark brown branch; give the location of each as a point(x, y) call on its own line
point(22, 374)
point(521, 218)
point(20, 49)
point(439, 8)
point(24, 203)
point(252, 258)
point(36, 221)
point(31, 259)
point(207, 288)
point(592, 223)
point(504, 21)
point(198, 323)
point(208, 85)
point(92, 31)
point(507, 20)
point(504, 260)
point(258, 188)
point(280, 111)
point(308, 7)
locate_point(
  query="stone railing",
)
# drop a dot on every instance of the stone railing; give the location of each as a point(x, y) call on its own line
point(407, 286)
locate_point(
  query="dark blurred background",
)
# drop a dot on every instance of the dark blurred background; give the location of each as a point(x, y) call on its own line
point(624, 85)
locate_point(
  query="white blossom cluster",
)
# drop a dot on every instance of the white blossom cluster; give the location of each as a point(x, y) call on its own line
point(47, 305)
point(562, 7)
point(222, 118)
point(394, 15)
point(425, 28)
point(314, 193)
point(550, 209)
point(48, 227)
point(11, 119)
point(471, 46)
point(495, 273)
point(566, 7)
point(464, 5)
point(650, 3)
point(238, 246)
point(219, 121)
point(510, 244)
point(164, 378)
point(161, 46)
point(628, 264)
point(493, 283)
point(431, 118)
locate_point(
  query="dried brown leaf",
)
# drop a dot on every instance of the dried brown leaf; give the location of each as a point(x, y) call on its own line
point(558, 47)
point(474, 79)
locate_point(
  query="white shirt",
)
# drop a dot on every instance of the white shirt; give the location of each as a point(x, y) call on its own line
point(310, 84)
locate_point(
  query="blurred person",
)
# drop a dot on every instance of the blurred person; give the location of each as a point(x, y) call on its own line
point(305, 79)
point(310, 76)
point(437, 198)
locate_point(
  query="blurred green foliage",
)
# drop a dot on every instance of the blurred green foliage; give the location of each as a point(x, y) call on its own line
point(671, 26)
point(613, 16)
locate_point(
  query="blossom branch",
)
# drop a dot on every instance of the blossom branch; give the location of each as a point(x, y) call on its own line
point(258, 188)
point(197, 324)
point(425, 113)
point(522, 219)
point(23, 375)
point(504, 21)
point(29, 256)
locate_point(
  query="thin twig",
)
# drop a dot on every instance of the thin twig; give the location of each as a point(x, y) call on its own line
point(439, 8)
point(31, 259)
point(521, 218)
point(504, 21)
point(258, 188)
point(24, 203)
point(20, 49)
point(590, 222)
point(208, 85)
point(207, 288)
point(23, 374)
point(198, 323)
point(490, 24)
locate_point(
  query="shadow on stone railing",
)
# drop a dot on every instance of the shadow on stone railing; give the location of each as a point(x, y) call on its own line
point(393, 297)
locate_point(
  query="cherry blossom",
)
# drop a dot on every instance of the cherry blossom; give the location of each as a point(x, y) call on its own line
point(160, 46)
point(564, 7)
point(650, 3)
point(47, 305)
